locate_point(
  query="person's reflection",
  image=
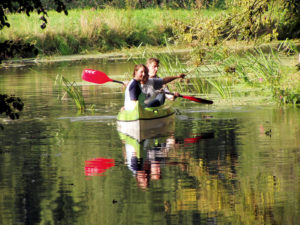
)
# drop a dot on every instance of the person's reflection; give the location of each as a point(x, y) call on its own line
point(136, 164)
point(144, 159)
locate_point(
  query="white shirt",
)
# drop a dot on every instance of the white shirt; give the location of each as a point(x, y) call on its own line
point(132, 91)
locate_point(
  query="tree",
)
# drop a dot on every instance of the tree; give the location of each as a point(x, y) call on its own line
point(8, 48)
point(11, 105)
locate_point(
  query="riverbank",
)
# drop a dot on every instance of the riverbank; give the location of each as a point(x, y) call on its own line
point(124, 54)
point(138, 52)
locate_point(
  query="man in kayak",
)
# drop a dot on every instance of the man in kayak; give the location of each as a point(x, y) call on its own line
point(141, 87)
point(153, 86)
point(153, 65)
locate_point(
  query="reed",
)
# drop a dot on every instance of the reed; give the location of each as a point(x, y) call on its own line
point(258, 71)
point(72, 90)
point(264, 68)
point(200, 85)
point(222, 87)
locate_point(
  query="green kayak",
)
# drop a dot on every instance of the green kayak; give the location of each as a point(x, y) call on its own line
point(142, 123)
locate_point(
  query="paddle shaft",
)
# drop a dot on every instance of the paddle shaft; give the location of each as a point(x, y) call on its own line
point(116, 81)
point(192, 98)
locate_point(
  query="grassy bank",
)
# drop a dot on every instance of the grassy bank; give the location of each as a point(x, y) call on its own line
point(233, 75)
point(89, 30)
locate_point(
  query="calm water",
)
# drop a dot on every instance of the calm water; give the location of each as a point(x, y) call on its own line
point(217, 165)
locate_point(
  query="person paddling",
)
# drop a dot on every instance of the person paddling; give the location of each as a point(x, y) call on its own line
point(153, 65)
point(154, 87)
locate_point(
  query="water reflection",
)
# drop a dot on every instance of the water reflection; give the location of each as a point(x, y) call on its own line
point(145, 158)
point(231, 165)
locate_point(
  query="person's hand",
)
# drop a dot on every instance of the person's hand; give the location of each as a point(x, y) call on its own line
point(125, 83)
point(182, 75)
point(176, 94)
point(162, 90)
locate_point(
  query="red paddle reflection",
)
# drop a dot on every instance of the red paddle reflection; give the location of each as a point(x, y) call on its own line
point(198, 138)
point(97, 166)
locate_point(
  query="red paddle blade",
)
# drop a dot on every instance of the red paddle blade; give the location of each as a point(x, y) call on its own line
point(200, 100)
point(95, 76)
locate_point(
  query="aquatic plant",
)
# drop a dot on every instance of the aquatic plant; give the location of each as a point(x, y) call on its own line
point(73, 91)
point(222, 87)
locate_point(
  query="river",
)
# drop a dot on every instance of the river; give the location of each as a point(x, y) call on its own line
point(218, 165)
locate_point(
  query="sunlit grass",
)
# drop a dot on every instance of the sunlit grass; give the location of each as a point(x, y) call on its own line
point(95, 30)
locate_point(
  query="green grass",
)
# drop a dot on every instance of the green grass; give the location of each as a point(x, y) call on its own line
point(101, 30)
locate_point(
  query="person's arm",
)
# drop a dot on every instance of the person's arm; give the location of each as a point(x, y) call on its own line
point(169, 79)
point(134, 92)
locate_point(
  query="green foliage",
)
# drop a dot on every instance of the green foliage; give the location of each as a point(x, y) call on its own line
point(27, 6)
point(139, 4)
point(11, 106)
point(17, 48)
point(288, 47)
point(287, 96)
point(247, 20)
point(223, 87)
point(12, 48)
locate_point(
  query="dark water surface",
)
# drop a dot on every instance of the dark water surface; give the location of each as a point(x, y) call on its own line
point(219, 165)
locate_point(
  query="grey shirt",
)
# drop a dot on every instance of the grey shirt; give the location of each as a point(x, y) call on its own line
point(151, 88)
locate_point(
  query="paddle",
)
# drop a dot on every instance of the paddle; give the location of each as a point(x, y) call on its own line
point(192, 98)
point(97, 77)
point(100, 77)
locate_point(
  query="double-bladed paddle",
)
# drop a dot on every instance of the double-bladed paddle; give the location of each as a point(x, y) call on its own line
point(100, 77)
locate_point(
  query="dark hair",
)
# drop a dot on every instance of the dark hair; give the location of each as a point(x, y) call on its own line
point(151, 60)
point(137, 67)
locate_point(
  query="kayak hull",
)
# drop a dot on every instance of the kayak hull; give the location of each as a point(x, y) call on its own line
point(143, 123)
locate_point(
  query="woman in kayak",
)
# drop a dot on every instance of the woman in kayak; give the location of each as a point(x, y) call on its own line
point(133, 90)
